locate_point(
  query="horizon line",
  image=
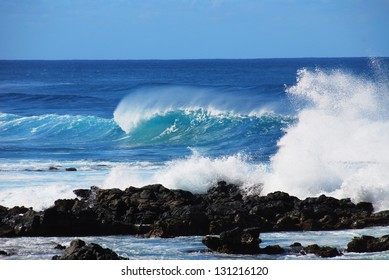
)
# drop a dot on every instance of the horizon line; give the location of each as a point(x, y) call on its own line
point(180, 59)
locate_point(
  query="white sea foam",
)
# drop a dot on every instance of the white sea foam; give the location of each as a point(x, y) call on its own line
point(195, 173)
point(339, 145)
point(45, 165)
point(38, 197)
point(32, 184)
point(40, 189)
point(137, 248)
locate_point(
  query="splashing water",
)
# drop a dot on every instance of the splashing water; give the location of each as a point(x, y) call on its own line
point(195, 173)
point(339, 144)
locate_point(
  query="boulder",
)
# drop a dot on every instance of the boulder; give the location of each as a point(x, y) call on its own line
point(235, 241)
point(60, 247)
point(79, 250)
point(83, 193)
point(367, 243)
point(323, 252)
point(296, 248)
point(287, 223)
point(71, 169)
point(3, 253)
point(272, 250)
point(18, 221)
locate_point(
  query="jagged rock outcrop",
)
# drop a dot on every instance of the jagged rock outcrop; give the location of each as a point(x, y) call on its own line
point(157, 211)
point(79, 250)
point(323, 252)
point(367, 243)
point(235, 241)
point(3, 253)
point(246, 241)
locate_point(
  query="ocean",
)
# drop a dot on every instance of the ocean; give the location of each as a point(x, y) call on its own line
point(305, 126)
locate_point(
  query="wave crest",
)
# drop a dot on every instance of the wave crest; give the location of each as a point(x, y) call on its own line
point(147, 103)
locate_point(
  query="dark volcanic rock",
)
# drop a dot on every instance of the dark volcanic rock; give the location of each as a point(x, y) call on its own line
point(323, 252)
point(3, 253)
point(295, 244)
point(368, 243)
point(18, 221)
point(296, 248)
point(328, 213)
point(235, 241)
point(154, 210)
point(60, 247)
point(238, 241)
point(82, 193)
point(375, 219)
point(185, 220)
point(79, 250)
point(272, 250)
point(71, 169)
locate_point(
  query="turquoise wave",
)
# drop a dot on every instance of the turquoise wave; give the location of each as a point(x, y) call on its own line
point(178, 127)
point(57, 128)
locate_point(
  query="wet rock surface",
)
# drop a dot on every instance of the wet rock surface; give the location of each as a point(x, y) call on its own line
point(247, 241)
point(3, 253)
point(368, 243)
point(235, 241)
point(156, 211)
point(323, 252)
point(79, 250)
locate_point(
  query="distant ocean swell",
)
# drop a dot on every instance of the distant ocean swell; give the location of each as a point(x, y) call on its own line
point(56, 128)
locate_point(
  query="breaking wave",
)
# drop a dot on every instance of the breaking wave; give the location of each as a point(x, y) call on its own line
point(339, 145)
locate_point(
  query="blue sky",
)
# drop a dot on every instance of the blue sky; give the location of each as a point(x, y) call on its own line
point(191, 29)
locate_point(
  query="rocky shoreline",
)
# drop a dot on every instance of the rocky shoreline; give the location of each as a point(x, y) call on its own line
point(247, 241)
point(230, 219)
point(235, 241)
point(155, 211)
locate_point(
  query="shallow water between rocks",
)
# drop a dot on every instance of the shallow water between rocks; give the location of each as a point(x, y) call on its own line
point(190, 248)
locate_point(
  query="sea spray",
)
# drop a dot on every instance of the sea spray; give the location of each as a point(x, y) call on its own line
point(339, 144)
point(38, 184)
point(337, 147)
point(195, 173)
point(37, 197)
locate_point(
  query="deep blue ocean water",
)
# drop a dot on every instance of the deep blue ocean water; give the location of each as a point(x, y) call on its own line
point(305, 126)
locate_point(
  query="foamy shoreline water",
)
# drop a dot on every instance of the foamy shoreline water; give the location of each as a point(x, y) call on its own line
point(188, 248)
